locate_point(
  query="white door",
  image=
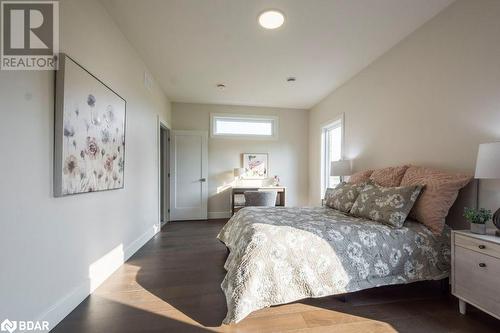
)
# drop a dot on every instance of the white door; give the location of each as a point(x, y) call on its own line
point(188, 175)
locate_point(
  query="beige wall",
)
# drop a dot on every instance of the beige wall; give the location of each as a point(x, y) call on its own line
point(287, 155)
point(429, 101)
point(60, 242)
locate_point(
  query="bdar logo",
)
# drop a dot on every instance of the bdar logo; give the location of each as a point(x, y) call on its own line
point(9, 326)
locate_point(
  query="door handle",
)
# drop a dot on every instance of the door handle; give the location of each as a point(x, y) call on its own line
point(203, 180)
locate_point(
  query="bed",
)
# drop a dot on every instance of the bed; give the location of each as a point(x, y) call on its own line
point(279, 255)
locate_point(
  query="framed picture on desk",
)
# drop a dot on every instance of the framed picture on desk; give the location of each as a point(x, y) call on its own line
point(256, 165)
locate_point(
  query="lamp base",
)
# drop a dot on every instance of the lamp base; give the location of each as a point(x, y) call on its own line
point(496, 222)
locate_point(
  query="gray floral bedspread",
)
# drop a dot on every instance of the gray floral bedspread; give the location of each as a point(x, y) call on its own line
point(279, 255)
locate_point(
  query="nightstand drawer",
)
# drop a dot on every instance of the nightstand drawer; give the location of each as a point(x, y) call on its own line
point(477, 278)
point(478, 245)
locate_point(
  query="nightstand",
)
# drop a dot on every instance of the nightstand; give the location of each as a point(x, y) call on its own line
point(475, 271)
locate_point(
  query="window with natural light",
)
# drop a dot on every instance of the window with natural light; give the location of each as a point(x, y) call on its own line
point(331, 150)
point(244, 126)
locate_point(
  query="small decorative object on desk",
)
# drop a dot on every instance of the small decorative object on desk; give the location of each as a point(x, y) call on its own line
point(276, 180)
point(238, 174)
point(477, 219)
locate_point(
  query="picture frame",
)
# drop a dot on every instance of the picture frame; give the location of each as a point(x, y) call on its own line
point(256, 165)
point(89, 132)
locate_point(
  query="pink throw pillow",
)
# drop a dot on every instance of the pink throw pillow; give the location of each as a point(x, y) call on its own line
point(389, 177)
point(439, 193)
point(360, 177)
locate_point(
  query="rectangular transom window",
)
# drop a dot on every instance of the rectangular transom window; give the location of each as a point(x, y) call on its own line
point(244, 126)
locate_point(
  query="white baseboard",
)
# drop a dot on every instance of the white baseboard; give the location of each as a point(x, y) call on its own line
point(219, 215)
point(63, 307)
point(133, 247)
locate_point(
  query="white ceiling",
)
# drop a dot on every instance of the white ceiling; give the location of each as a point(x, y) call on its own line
point(191, 45)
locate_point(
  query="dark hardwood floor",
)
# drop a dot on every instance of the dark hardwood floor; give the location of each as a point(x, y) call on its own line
point(172, 284)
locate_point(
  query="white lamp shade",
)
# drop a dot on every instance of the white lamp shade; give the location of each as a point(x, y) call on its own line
point(239, 172)
point(341, 168)
point(488, 161)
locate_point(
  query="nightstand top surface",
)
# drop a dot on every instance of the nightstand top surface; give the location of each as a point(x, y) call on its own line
point(490, 235)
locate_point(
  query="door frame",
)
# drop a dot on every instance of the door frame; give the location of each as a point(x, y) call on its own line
point(165, 125)
point(204, 168)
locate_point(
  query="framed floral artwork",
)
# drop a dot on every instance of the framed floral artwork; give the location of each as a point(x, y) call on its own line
point(256, 165)
point(89, 132)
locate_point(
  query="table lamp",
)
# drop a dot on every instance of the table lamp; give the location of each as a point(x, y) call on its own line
point(341, 168)
point(488, 167)
point(238, 173)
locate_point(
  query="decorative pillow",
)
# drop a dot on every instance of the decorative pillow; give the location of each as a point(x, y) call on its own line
point(342, 197)
point(389, 177)
point(360, 177)
point(389, 205)
point(441, 191)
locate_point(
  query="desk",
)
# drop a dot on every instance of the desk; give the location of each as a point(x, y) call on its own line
point(238, 191)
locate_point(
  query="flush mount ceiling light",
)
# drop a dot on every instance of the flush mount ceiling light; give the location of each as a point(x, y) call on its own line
point(271, 19)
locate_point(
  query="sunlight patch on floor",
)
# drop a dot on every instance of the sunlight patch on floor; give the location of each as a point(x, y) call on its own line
point(144, 301)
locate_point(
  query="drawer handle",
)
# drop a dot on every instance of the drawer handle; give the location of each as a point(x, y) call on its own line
point(482, 264)
point(482, 247)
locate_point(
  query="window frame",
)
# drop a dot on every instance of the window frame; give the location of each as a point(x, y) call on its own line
point(274, 120)
point(325, 151)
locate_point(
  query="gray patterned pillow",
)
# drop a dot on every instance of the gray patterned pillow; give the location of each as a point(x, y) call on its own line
point(389, 205)
point(343, 196)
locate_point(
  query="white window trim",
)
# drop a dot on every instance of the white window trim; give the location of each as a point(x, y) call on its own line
point(325, 169)
point(274, 119)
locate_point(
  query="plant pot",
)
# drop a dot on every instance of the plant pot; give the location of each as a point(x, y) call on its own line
point(478, 228)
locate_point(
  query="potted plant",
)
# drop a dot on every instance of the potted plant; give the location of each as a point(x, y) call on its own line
point(477, 219)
